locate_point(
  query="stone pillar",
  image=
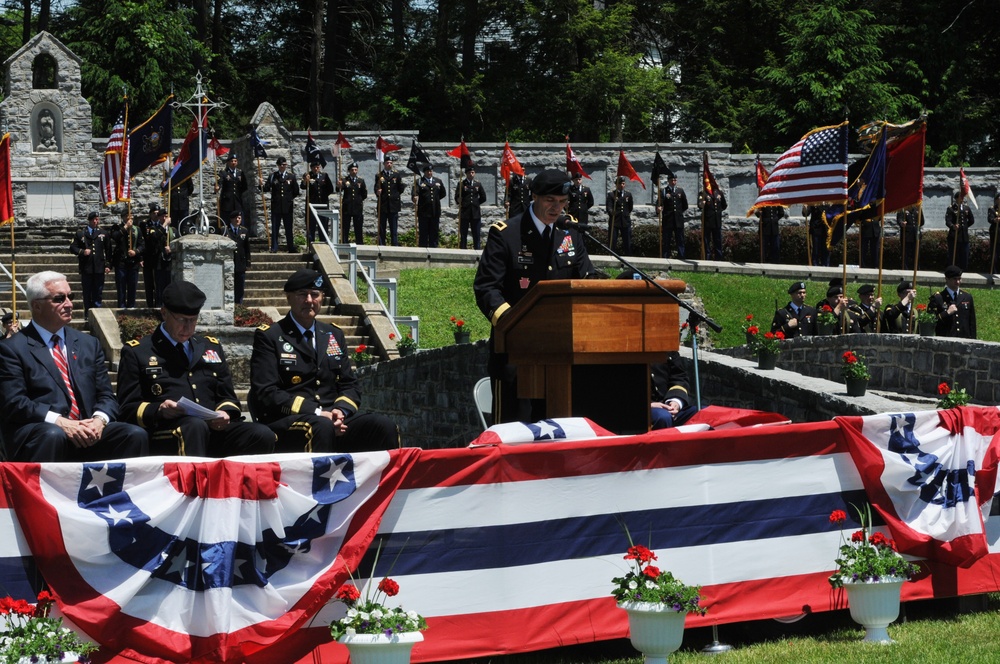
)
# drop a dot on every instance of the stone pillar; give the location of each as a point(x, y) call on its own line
point(207, 262)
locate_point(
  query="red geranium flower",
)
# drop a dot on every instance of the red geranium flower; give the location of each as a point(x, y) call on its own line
point(459, 323)
point(838, 516)
point(362, 348)
point(392, 335)
point(850, 357)
point(769, 335)
point(749, 316)
point(348, 594)
point(878, 539)
point(389, 587)
point(921, 307)
point(944, 389)
point(858, 536)
point(779, 334)
point(652, 572)
point(827, 308)
point(753, 329)
point(640, 553)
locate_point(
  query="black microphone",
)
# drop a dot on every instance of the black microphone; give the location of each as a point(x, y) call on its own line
point(567, 222)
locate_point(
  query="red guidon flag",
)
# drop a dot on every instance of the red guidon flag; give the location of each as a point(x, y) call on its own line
point(509, 163)
point(573, 164)
point(625, 169)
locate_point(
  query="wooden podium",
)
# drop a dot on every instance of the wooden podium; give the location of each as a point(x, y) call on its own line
point(585, 346)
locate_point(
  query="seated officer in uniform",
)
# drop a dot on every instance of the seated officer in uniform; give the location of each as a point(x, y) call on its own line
point(303, 384)
point(172, 363)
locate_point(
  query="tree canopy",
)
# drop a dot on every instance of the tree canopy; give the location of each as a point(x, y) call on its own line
point(754, 73)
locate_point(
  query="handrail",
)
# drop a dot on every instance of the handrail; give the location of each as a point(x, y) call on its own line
point(10, 276)
point(372, 290)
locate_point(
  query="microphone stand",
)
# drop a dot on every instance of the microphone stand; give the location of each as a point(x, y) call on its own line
point(695, 318)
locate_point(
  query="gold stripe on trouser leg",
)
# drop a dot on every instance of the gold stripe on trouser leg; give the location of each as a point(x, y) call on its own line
point(307, 431)
point(174, 434)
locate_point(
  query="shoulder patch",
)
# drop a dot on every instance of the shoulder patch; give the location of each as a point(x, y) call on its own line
point(264, 327)
point(500, 226)
point(212, 340)
point(132, 342)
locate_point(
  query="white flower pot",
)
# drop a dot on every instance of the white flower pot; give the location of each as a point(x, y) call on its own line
point(874, 606)
point(379, 648)
point(655, 630)
point(68, 658)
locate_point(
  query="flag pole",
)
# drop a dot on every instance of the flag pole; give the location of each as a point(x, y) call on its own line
point(659, 207)
point(263, 202)
point(916, 259)
point(881, 256)
point(809, 253)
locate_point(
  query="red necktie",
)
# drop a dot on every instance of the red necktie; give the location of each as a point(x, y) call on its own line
point(60, 358)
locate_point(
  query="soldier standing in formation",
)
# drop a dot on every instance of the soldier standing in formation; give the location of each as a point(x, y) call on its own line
point(518, 195)
point(817, 233)
point(92, 247)
point(126, 257)
point(871, 231)
point(231, 186)
point(993, 217)
point(235, 231)
point(172, 363)
point(954, 308)
point(427, 200)
point(910, 221)
point(581, 199)
point(958, 219)
point(283, 189)
point(712, 207)
point(770, 231)
point(672, 205)
point(469, 195)
point(618, 205)
point(318, 187)
point(353, 192)
point(389, 187)
point(151, 253)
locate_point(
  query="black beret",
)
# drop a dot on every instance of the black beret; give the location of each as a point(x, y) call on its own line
point(353, 164)
point(183, 297)
point(154, 207)
point(428, 167)
point(836, 281)
point(834, 291)
point(952, 271)
point(470, 169)
point(235, 213)
point(867, 288)
point(903, 286)
point(551, 182)
point(304, 279)
point(92, 215)
point(232, 155)
point(387, 160)
point(314, 163)
point(8, 318)
point(577, 175)
point(620, 179)
point(796, 287)
point(280, 161)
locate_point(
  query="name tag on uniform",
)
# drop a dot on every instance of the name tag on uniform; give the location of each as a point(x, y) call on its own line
point(525, 258)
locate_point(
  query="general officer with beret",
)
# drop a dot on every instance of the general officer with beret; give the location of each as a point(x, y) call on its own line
point(954, 308)
point(171, 364)
point(519, 253)
point(796, 318)
point(303, 384)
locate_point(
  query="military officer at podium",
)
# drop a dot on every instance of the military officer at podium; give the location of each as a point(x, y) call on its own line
point(519, 253)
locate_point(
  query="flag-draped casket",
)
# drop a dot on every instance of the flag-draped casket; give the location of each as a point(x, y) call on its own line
point(503, 548)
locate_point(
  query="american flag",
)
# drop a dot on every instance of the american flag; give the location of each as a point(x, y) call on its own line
point(116, 183)
point(813, 170)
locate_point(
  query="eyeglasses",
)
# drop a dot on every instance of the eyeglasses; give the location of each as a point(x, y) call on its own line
point(58, 298)
point(183, 320)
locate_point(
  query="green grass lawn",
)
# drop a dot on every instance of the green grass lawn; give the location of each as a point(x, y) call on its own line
point(437, 294)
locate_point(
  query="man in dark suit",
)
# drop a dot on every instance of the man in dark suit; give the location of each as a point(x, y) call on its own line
point(231, 186)
point(519, 253)
point(236, 232)
point(427, 199)
point(389, 187)
point(352, 198)
point(283, 189)
point(157, 372)
point(954, 308)
point(58, 404)
point(619, 205)
point(304, 387)
point(318, 187)
point(671, 207)
point(581, 199)
point(796, 318)
point(92, 247)
point(470, 196)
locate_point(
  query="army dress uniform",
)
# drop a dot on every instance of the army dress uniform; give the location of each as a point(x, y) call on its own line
point(294, 378)
point(962, 323)
point(469, 196)
point(232, 185)
point(518, 195)
point(154, 370)
point(284, 188)
point(581, 199)
point(427, 195)
point(318, 189)
point(241, 256)
point(353, 192)
point(515, 258)
point(389, 188)
point(712, 207)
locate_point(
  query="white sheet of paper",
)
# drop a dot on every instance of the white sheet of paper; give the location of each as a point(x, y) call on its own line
point(195, 410)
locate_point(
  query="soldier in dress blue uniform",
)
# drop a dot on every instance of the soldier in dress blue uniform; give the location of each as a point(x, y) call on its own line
point(236, 232)
point(171, 364)
point(318, 187)
point(954, 307)
point(303, 384)
point(672, 205)
point(230, 186)
point(518, 195)
point(618, 205)
point(470, 196)
point(92, 247)
point(797, 317)
point(427, 199)
point(581, 199)
point(389, 187)
point(353, 192)
point(519, 253)
point(283, 188)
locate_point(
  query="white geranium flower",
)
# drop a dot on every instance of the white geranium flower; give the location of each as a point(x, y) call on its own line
point(650, 585)
point(377, 614)
point(632, 585)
